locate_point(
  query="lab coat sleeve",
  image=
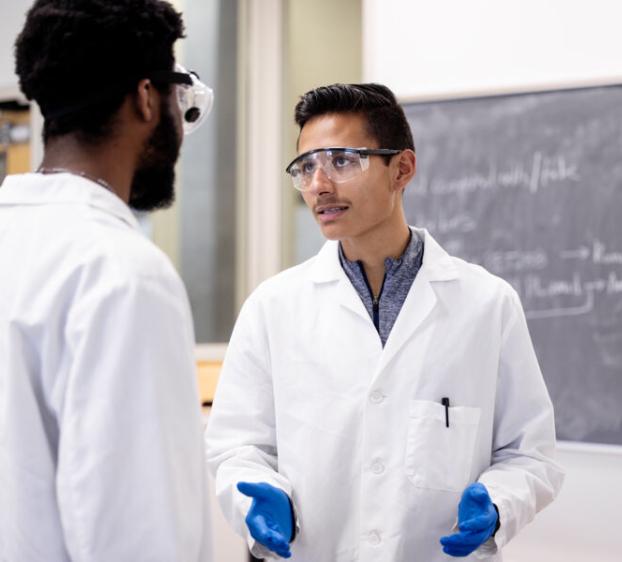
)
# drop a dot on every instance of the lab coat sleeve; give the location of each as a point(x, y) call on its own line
point(131, 473)
point(523, 477)
point(241, 436)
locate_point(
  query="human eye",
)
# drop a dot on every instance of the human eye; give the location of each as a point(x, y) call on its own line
point(307, 167)
point(342, 160)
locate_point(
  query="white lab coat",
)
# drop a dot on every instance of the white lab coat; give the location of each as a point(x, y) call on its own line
point(101, 446)
point(309, 401)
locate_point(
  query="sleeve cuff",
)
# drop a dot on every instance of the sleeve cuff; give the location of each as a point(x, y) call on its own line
point(295, 521)
point(487, 549)
point(490, 547)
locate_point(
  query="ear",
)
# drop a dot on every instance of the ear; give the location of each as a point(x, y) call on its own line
point(147, 101)
point(405, 169)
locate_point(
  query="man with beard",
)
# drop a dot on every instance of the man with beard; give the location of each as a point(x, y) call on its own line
point(101, 454)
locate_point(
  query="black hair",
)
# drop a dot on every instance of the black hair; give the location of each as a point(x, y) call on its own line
point(78, 59)
point(384, 116)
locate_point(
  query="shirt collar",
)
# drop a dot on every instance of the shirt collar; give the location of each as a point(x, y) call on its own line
point(437, 265)
point(63, 188)
point(391, 265)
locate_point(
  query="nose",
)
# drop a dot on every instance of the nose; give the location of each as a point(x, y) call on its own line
point(320, 183)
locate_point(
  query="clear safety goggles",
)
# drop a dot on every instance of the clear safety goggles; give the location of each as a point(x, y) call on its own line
point(339, 164)
point(195, 99)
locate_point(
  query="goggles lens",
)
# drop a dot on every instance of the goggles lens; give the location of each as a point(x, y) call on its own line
point(195, 101)
point(338, 164)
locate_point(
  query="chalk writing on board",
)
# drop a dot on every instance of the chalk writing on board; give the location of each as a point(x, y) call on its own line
point(541, 172)
point(530, 187)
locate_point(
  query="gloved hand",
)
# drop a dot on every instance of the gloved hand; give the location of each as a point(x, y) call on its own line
point(269, 519)
point(477, 521)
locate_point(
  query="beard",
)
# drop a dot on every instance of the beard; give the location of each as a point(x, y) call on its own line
point(153, 185)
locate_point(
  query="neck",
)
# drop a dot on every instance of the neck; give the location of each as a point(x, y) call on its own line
point(373, 247)
point(106, 161)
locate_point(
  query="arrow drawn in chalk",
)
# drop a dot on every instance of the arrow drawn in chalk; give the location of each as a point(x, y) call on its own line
point(585, 308)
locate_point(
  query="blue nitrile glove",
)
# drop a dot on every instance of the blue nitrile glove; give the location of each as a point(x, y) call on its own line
point(269, 519)
point(477, 521)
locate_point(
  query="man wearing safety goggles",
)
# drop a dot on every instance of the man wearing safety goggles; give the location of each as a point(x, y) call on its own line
point(374, 393)
point(101, 454)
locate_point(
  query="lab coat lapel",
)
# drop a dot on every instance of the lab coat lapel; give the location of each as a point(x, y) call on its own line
point(422, 298)
point(327, 269)
point(346, 296)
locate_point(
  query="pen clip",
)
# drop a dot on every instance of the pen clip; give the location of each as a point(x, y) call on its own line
point(445, 402)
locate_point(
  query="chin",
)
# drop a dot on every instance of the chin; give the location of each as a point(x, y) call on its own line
point(330, 235)
point(333, 231)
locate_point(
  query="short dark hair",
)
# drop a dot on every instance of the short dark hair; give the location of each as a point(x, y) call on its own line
point(386, 121)
point(71, 51)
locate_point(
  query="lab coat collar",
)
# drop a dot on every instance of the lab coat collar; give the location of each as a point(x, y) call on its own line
point(63, 188)
point(421, 300)
point(437, 263)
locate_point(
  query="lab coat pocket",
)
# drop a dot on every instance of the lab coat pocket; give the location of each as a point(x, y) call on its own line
point(440, 457)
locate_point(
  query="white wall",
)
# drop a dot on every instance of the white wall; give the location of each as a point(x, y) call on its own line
point(322, 46)
point(583, 523)
point(421, 48)
point(452, 48)
point(12, 15)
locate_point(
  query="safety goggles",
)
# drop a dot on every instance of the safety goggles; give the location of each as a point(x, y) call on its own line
point(195, 99)
point(337, 163)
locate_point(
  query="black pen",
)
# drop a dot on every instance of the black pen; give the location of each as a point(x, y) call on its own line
point(445, 402)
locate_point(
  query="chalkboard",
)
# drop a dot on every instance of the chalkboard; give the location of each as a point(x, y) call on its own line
point(530, 187)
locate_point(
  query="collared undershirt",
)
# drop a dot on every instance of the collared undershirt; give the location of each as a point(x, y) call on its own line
point(399, 275)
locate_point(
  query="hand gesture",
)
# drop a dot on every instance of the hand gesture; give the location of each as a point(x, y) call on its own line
point(477, 521)
point(269, 519)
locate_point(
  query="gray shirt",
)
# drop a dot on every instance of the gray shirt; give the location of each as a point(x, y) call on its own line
point(399, 275)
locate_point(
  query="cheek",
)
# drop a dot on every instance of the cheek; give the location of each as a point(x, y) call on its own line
point(307, 198)
point(376, 203)
point(177, 116)
point(179, 127)
point(372, 196)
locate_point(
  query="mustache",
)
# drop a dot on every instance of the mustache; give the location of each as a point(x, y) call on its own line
point(330, 201)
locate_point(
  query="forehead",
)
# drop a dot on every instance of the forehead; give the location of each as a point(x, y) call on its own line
point(335, 129)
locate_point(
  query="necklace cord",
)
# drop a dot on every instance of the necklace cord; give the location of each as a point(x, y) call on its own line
point(99, 181)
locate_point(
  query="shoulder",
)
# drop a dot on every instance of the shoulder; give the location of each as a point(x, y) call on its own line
point(125, 277)
point(483, 294)
point(476, 276)
point(474, 281)
point(110, 256)
point(133, 256)
point(281, 294)
point(285, 284)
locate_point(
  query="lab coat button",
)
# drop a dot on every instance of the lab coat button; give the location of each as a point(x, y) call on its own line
point(377, 467)
point(376, 397)
point(374, 538)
